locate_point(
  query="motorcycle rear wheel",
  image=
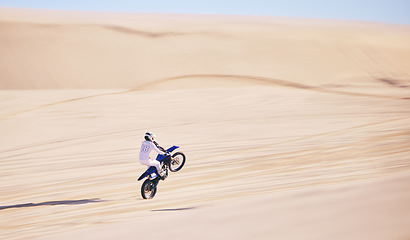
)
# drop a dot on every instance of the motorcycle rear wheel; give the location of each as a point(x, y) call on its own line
point(148, 189)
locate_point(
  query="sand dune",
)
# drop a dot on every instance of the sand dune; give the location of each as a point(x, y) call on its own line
point(293, 128)
point(81, 51)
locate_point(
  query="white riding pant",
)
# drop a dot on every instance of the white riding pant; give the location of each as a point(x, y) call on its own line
point(151, 162)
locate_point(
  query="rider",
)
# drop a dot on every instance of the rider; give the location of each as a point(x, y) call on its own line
point(147, 146)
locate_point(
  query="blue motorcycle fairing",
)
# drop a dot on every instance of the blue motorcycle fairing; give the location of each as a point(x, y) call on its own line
point(159, 158)
point(172, 148)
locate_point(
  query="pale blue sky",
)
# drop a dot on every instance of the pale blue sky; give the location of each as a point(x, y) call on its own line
point(389, 11)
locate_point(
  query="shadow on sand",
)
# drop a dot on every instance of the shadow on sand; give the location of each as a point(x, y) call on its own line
point(54, 203)
point(172, 209)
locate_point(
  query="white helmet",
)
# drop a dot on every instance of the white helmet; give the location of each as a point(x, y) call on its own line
point(149, 136)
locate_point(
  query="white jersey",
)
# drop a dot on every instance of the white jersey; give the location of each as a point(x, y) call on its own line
point(146, 148)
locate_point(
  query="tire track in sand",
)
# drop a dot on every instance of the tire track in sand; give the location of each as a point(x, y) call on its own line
point(271, 81)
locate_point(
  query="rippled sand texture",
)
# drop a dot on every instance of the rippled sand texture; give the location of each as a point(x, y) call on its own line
point(293, 129)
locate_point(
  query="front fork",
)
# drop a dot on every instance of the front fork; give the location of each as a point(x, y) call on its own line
point(166, 162)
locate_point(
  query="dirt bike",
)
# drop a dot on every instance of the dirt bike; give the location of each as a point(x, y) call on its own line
point(172, 162)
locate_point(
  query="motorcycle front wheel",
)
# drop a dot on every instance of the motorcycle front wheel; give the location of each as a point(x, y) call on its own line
point(148, 189)
point(176, 162)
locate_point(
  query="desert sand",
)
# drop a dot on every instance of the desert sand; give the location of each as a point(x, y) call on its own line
point(292, 128)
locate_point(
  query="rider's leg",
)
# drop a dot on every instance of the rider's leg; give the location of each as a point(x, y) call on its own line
point(159, 169)
point(156, 164)
point(151, 162)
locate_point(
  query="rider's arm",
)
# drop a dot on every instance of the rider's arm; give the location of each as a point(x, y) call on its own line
point(156, 149)
point(159, 147)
